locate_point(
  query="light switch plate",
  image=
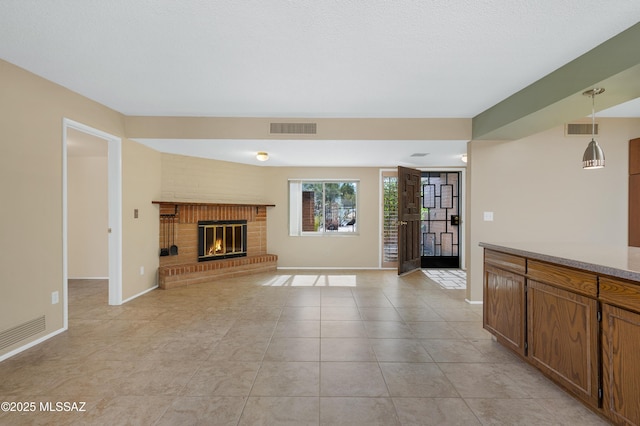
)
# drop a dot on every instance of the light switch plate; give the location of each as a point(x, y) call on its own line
point(488, 216)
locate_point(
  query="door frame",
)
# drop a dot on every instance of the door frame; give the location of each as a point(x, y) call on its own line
point(463, 210)
point(114, 170)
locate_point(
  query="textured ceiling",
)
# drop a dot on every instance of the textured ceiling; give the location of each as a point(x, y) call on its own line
point(305, 58)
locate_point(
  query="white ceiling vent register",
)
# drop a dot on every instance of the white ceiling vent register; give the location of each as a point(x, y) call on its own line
point(23, 331)
point(294, 128)
point(580, 129)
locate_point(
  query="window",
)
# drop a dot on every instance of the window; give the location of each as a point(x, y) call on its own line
point(389, 219)
point(322, 207)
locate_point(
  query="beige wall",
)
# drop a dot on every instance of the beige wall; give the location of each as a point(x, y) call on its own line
point(538, 191)
point(87, 217)
point(141, 169)
point(331, 251)
point(31, 114)
point(197, 179)
point(327, 128)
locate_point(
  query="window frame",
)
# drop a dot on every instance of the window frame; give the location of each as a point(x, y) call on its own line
point(295, 207)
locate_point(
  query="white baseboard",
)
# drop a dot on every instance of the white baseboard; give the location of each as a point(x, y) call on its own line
point(139, 294)
point(88, 278)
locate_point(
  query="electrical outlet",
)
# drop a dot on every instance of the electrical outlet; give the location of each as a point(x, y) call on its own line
point(488, 216)
point(142, 270)
point(55, 298)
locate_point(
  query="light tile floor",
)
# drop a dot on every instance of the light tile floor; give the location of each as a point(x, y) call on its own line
point(288, 348)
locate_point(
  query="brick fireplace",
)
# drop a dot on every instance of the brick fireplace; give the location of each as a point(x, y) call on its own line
point(184, 268)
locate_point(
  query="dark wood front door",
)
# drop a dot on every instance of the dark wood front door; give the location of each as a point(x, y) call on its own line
point(409, 219)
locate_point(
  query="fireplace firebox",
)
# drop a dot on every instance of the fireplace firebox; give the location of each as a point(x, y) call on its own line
point(221, 239)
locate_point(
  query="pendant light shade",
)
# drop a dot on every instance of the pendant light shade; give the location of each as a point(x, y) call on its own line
point(593, 157)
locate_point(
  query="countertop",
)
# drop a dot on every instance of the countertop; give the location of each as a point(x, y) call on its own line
point(616, 261)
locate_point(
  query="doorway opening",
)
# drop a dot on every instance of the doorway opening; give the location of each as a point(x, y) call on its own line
point(440, 223)
point(113, 227)
point(441, 200)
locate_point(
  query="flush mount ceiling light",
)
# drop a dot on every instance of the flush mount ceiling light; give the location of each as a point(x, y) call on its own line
point(262, 156)
point(593, 157)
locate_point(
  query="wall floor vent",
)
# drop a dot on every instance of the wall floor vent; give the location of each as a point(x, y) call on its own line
point(23, 331)
point(294, 128)
point(580, 129)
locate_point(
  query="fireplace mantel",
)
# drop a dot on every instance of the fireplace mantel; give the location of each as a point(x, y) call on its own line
point(208, 203)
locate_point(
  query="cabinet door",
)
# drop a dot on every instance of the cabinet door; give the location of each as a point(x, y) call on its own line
point(563, 338)
point(634, 210)
point(504, 305)
point(621, 364)
point(634, 192)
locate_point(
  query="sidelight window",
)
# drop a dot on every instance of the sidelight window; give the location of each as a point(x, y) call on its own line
point(323, 207)
point(389, 219)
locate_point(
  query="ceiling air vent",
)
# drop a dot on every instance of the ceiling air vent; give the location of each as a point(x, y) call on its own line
point(580, 129)
point(293, 128)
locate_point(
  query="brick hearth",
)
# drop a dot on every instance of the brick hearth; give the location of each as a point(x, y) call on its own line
point(184, 268)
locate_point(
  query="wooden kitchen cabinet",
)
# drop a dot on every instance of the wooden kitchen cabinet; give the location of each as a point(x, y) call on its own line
point(634, 192)
point(634, 210)
point(562, 327)
point(621, 350)
point(582, 321)
point(504, 299)
point(562, 333)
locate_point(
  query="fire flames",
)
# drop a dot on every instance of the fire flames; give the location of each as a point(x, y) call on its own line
point(215, 248)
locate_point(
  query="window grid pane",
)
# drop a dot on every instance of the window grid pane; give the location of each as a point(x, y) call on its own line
point(328, 207)
point(390, 219)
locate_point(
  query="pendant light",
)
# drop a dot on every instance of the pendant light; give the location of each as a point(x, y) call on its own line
point(593, 157)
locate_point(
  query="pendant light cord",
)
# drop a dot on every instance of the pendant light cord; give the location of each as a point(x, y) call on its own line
point(593, 115)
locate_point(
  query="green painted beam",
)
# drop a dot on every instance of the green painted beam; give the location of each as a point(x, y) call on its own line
point(557, 98)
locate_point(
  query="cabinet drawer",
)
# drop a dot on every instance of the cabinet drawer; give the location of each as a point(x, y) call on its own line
point(559, 276)
point(620, 293)
point(505, 261)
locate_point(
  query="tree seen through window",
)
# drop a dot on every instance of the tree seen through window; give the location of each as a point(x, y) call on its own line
point(329, 206)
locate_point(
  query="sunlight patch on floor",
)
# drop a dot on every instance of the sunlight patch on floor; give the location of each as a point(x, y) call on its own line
point(448, 278)
point(312, 280)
